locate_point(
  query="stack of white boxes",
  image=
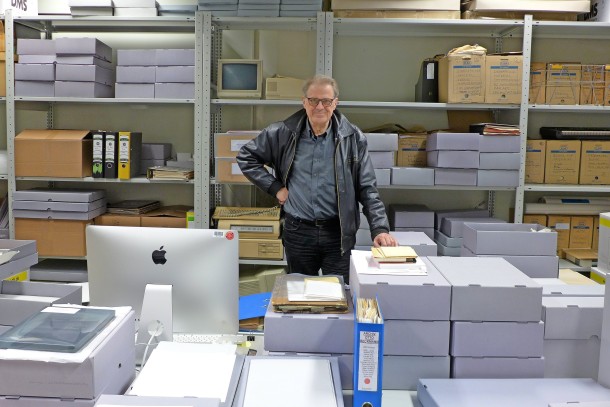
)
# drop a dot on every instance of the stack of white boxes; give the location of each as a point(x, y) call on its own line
point(496, 331)
point(83, 68)
point(135, 73)
point(499, 161)
point(522, 245)
point(382, 150)
point(135, 8)
point(90, 7)
point(412, 218)
point(68, 204)
point(455, 157)
point(451, 230)
point(449, 246)
point(300, 8)
point(154, 154)
point(416, 312)
point(418, 241)
point(175, 74)
point(219, 8)
point(35, 72)
point(258, 8)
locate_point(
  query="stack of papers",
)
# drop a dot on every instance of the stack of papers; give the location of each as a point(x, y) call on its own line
point(397, 254)
point(310, 294)
point(133, 207)
point(403, 269)
point(176, 173)
point(316, 289)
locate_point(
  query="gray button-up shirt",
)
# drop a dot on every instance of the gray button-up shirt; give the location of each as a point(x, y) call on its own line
point(311, 186)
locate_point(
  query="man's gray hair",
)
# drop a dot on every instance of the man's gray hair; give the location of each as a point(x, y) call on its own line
point(321, 80)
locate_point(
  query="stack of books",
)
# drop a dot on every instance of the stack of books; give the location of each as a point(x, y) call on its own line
point(133, 207)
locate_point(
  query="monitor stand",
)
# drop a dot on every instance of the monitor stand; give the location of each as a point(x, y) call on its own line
point(156, 322)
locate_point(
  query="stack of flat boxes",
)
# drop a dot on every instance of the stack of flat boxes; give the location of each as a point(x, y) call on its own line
point(219, 8)
point(300, 8)
point(412, 218)
point(226, 147)
point(502, 338)
point(56, 218)
point(135, 73)
point(455, 157)
point(450, 246)
point(411, 159)
point(532, 252)
point(416, 313)
point(258, 8)
point(135, 8)
point(83, 68)
point(452, 232)
point(499, 161)
point(175, 74)
point(382, 150)
point(35, 72)
point(154, 154)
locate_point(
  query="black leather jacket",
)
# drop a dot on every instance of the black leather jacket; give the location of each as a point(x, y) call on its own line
point(275, 147)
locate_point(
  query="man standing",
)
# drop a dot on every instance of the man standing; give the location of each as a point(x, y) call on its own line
point(322, 171)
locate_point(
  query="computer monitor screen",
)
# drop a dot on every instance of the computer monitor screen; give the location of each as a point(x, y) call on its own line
point(201, 265)
point(239, 78)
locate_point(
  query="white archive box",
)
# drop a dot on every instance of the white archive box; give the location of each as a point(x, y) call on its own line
point(523, 239)
point(475, 280)
point(453, 159)
point(497, 368)
point(16, 401)
point(411, 216)
point(383, 176)
point(105, 365)
point(412, 176)
point(499, 161)
point(573, 290)
point(419, 241)
point(458, 213)
point(454, 227)
point(416, 338)
point(453, 141)
point(497, 339)
point(544, 267)
point(382, 141)
point(425, 298)
point(572, 335)
point(499, 144)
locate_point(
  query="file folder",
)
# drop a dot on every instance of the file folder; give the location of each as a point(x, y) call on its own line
point(368, 353)
point(110, 155)
point(130, 149)
point(98, 154)
point(426, 88)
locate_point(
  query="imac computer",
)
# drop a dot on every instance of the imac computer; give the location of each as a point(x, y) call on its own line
point(240, 78)
point(198, 266)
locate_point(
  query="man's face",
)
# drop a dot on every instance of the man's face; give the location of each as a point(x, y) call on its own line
point(319, 115)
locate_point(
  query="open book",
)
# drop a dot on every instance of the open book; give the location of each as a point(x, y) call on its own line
point(394, 254)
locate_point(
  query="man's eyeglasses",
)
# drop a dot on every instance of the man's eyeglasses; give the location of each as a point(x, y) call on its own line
point(325, 102)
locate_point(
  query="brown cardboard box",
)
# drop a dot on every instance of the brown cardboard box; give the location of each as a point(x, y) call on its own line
point(252, 229)
point(412, 150)
point(3, 70)
point(111, 219)
point(562, 162)
point(607, 85)
point(537, 94)
point(539, 219)
point(166, 217)
point(592, 85)
point(561, 224)
point(595, 241)
point(228, 144)
point(227, 170)
point(503, 75)
point(581, 232)
point(595, 163)
point(269, 249)
point(436, 14)
point(53, 153)
point(461, 79)
point(563, 84)
point(535, 157)
point(54, 237)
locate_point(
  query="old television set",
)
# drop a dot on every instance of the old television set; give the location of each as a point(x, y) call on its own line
point(240, 78)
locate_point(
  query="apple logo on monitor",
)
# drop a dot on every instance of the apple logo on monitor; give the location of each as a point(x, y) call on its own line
point(158, 256)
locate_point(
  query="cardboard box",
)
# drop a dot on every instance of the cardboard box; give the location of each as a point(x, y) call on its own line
point(174, 90)
point(411, 215)
point(412, 176)
point(537, 95)
point(134, 90)
point(458, 213)
point(416, 338)
point(513, 239)
point(54, 237)
point(35, 72)
point(229, 144)
point(499, 161)
point(453, 159)
point(85, 73)
point(453, 141)
point(497, 368)
point(175, 74)
point(83, 46)
point(563, 84)
point(411, 150)
point(562, 162)
point(503, 75)
point(498, 178)
point(592, 85)
point(252, 228)
point(497, 339)
point(607, 84)
point(53, 153)
point(395, 5)
point(595, 163)
point(436, 14)
point(474, 280)
point(423, 298)
point(382, 159)
point(462, 79)
point(418, 241)
point(268, 249)
point(170, 57)
point(454, 227)
point(447, 241)
point(499, 144)
point(382, 141)
point(383, 176)
point(33, 46)
point(173, 216)
point(83, 60)
point(562, 225)
point(581, 232)
point(535, 158)
point(539, 219)
point(227, 170)
point(135, 74)
point(110, 219)
point(455, 176)
point(106, 367)
point(136, 57)
point(83, 89)
point(33, 88)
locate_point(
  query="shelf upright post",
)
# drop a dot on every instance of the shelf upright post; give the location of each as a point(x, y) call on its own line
point(523, 117)
point(324, 56)
point(10, 114)
point(203, 41)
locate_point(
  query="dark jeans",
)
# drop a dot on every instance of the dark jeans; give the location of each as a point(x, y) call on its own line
point(310, 248)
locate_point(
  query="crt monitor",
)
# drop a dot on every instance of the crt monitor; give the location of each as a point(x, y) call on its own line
point(240, 78)
point(201, 265)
